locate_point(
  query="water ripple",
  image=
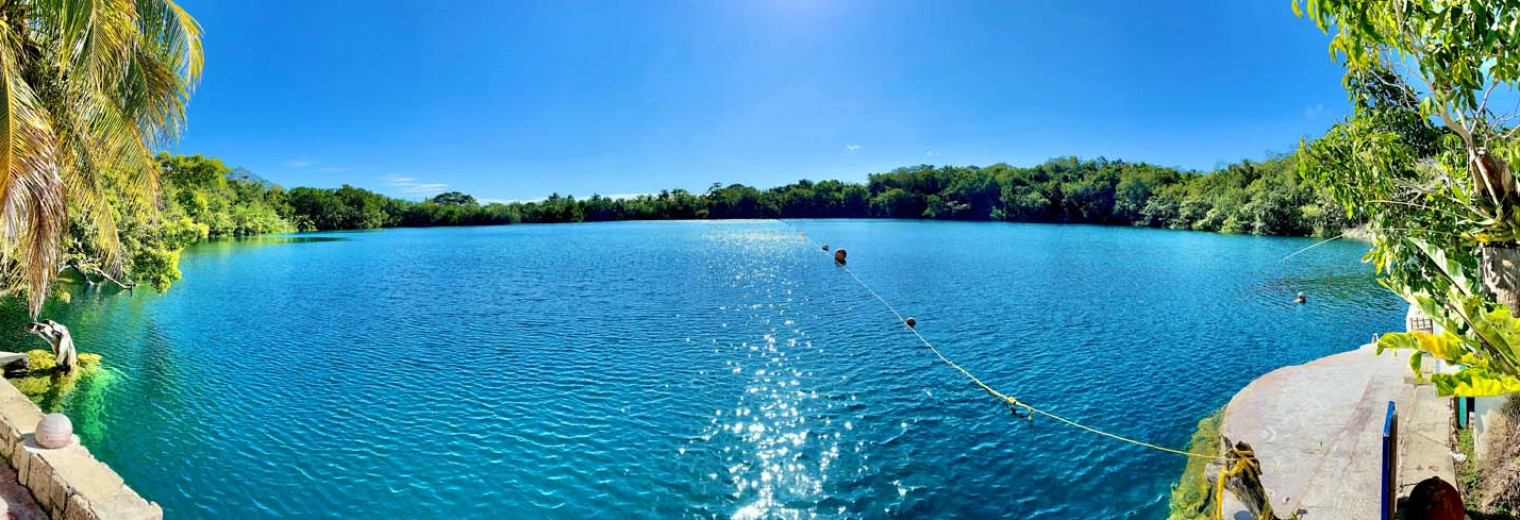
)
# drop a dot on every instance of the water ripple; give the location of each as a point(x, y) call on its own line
point(712, 370)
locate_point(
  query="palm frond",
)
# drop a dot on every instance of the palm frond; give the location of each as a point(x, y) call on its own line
point(89, 38)
point(174, 38)
point(33, 205)
point(88, 90)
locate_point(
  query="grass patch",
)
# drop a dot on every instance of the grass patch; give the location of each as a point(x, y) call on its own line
point(1499, 476)
point(1192, 493)
point(1469, 472)
point(1491, 488)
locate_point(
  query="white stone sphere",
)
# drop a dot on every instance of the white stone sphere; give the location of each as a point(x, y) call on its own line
point(55, 431)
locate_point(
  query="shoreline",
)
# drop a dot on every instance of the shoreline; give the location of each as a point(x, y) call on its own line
point(1358, 233)
point(66, 482)
point(1317, 430)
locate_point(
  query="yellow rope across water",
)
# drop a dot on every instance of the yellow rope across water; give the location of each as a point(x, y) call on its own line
point(1005, 398)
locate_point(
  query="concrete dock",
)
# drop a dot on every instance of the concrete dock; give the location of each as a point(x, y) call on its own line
point(66, 482)
point(1317, 430)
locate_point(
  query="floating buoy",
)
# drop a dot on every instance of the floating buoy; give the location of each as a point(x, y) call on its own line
point(839, 256)
point(912, 323)
point(825, 247)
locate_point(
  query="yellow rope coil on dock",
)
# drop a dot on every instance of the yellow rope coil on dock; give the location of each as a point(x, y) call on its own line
point(1246, 462)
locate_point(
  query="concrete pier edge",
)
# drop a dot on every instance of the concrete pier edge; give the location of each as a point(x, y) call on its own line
point(1317, 431)
point(68, 483)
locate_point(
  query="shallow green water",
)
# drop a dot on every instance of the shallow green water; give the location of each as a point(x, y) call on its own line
point(694, 369)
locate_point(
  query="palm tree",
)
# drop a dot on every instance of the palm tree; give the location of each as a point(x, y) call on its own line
point(88, 90)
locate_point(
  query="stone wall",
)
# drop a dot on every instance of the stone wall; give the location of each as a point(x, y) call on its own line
point(68, 483)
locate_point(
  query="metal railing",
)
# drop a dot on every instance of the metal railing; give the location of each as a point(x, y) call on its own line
point(1422, 324)
point(1390, 462)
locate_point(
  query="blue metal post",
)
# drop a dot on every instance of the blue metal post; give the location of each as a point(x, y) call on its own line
point(1390, 462)
point(1461, 413)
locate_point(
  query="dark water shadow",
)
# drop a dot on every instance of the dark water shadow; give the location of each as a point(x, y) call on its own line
point(229, 245)
point(259, 240)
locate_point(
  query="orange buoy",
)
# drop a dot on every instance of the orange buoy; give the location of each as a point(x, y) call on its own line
point(825, 247)
point(912, 323)
point(839, 256)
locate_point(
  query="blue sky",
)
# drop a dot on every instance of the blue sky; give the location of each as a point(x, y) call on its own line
point(513, 100)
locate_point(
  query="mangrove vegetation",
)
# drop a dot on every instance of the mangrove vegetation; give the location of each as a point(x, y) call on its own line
point(206, 198)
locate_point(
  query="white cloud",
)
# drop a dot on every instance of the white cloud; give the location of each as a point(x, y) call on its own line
point(626, 196)
point(335, 169)
point(930, 153)
point(1314, 111)
point(852, 147)
point(410, 185)
point(303, 162)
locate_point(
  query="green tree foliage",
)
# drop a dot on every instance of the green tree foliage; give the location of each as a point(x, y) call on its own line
point(453, 198)
point(1428, 162)
point(228, 202)
point(87, 90)
point(1264, 198)
point(203, 198)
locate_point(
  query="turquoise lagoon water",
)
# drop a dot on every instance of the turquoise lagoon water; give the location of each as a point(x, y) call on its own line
point(694, 369)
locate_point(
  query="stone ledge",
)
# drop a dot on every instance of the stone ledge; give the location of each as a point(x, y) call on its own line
point(1317, 430)
point(68, 483)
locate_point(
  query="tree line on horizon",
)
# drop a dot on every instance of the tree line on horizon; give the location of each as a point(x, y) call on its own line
point(201, 198)
point(1256, 197)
